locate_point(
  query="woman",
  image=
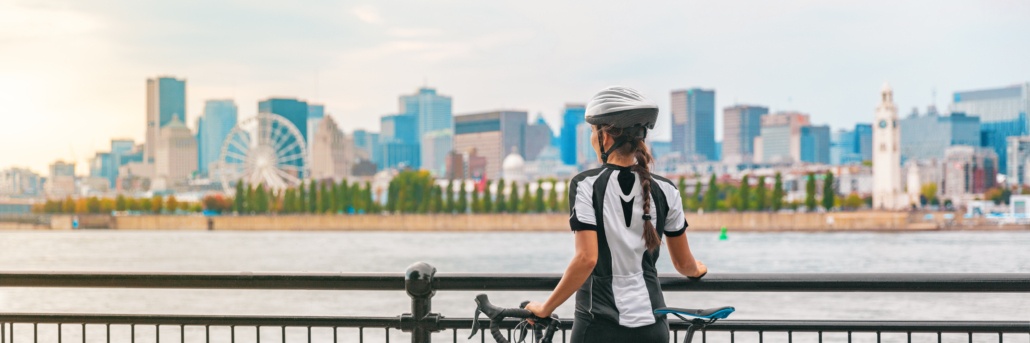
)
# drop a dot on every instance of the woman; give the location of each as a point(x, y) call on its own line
point(619, 214)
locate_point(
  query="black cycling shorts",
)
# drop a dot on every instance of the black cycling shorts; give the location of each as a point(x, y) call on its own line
point(587, 330)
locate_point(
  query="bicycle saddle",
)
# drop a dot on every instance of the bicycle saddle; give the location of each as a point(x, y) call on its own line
point(709, 313)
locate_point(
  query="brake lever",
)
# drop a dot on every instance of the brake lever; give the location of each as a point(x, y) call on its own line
point(475, 321)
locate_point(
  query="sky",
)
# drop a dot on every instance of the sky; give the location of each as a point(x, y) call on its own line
point(73, 73)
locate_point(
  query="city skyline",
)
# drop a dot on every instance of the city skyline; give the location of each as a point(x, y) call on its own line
point(361, 57)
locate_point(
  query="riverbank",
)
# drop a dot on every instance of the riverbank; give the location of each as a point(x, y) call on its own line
point(746, 222)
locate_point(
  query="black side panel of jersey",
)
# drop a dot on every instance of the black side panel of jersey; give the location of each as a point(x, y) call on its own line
point(595, 297)
point(575, 181)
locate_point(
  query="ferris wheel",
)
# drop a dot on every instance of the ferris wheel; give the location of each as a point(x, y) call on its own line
point(265, 149)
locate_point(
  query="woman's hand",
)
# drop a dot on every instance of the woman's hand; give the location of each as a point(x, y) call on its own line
point(702, 269)
point(538, 309)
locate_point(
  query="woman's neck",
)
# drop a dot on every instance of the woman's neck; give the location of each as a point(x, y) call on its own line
point(622, 160)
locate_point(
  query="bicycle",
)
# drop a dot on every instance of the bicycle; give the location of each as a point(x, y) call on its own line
point(543, 328)
point(702, 317)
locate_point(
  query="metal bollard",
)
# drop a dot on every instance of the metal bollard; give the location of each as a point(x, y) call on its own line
point(418, 283)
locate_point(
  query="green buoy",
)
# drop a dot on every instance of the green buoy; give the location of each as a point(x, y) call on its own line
point(722, 235)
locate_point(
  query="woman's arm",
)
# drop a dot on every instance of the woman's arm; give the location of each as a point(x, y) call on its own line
point(575, 275)
point(682, 259)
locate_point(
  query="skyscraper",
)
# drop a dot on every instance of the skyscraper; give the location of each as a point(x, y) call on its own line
point(492, 134)
point(213, 127)
point(741, 124)
point(780, 138)
point(435, 147)
point(1002, 112)
point(332, 152)
point(926, 137)
point(166, 100)
point(693, 124)
point(538, 137)
point(400, 142)
point(315, 114)
point(61, 182)
point(572, 116)
point(432, 112)
point(815, 144)
point(176, 157)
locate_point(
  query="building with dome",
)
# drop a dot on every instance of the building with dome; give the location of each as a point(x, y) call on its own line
point(513, 168)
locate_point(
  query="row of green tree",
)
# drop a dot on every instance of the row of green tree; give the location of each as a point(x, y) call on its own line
point(414, 191)
point(743, 196)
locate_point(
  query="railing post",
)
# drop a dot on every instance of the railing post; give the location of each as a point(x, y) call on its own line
point(418, 283)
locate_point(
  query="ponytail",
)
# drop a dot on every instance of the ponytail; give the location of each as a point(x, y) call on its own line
point(643, 168)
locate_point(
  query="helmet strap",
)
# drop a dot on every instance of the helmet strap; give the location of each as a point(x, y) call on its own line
point(625, 138)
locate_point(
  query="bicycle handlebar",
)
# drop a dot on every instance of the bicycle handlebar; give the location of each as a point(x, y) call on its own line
point(543, 328)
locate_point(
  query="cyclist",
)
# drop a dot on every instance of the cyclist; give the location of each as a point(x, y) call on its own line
point(619, 213)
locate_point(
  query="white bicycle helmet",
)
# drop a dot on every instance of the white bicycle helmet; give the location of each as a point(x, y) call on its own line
point(624, 108)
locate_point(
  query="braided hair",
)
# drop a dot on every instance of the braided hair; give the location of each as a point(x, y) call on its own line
point(636, 146)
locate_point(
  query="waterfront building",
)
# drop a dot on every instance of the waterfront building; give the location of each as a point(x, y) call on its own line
point(968, 170)
point(864, 141)
point(887, 193)
point(332, 152)
point(780, 139)
point(20, 182)
point(166, 100)
point(366, 145)
point(436, 145)
point(213, 127)
point(741, 124)
point(1002, 112)
point(693, 124)
point(103, 166)
point(467, 165)
point(815, 144)
point(538, 137)
point(514, 168)
point(660, 149)
point(548, 165)
point(842, 148)
point(572, 116)
point(1018, 152)
point(61, 181)
point(492, 134)
point(926, 137)
point(176, 157)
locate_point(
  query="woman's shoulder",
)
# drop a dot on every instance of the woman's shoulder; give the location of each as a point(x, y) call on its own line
point(587, 173)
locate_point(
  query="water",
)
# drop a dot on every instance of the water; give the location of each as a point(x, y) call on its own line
point(163, 251)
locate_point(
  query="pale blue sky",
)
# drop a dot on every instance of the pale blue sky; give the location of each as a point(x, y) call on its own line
point(72, 73)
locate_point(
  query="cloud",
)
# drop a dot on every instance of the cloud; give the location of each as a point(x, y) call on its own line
point(367, 13)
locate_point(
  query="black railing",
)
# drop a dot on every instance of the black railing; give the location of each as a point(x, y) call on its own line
point(421, 283)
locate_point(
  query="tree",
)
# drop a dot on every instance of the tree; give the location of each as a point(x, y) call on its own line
point(563, 203)
point(552, 197)
point(829, 195)
point(711, 199)
point(260, 199)
point(681, 185)
point(760, 203)
point(172, 203)
point(744, 194)
point(157, 204)
point(488, 202)
point(928, 192)
point(777, 194)
point(513, 203)
point(810, 192)
point(853, 202)
point(477, 203)
point(449, 203)
point(120, 204)
point(539, 204)
point(322, 200)
point(240, 200)
point(501, 203)
point(252, 199)
point(462, 206)
point(312, 197)
point(93, 205)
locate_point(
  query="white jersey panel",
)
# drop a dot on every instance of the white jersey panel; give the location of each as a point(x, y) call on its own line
point(627, 250)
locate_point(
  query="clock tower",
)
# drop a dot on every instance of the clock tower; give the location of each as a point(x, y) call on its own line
point(887, 194)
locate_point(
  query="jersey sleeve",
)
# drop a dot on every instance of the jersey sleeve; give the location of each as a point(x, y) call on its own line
point(581, 205)
point(675, 220)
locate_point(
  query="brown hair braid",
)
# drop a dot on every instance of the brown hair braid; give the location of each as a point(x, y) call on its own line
point(638, 148)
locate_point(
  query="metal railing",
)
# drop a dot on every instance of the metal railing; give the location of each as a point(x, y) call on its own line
point(421, 283)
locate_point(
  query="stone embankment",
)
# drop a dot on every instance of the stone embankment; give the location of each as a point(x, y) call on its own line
point(750, 221)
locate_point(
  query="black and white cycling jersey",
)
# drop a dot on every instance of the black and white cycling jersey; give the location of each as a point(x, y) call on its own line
point(623, 287)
